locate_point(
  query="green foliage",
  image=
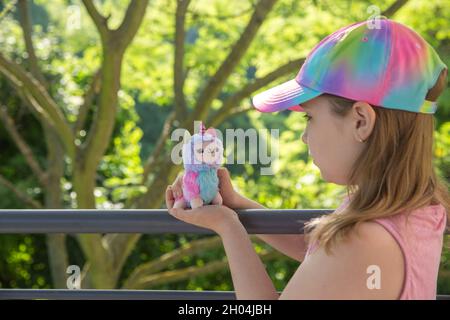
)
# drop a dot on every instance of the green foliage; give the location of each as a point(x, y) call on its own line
point(23, 263)
point(70, 54)
point(122, 170)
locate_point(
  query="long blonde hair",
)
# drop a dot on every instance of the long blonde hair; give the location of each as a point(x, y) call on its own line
point(393, 174)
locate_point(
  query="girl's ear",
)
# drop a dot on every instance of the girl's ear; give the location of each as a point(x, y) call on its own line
point(364, 120)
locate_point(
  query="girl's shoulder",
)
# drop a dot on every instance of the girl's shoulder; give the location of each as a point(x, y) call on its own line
point(419, 235)
point(378, 247)
point(353, 268)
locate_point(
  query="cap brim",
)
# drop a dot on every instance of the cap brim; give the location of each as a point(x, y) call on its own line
point(287, 95)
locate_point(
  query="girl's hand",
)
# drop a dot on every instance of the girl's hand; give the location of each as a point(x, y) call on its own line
point(229, 195)
point(175, 189)
point(214, 217)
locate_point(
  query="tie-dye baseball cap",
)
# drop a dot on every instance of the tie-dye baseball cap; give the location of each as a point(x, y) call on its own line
point(383, 63)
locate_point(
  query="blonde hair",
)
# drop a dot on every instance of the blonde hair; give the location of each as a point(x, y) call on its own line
point(393, 174)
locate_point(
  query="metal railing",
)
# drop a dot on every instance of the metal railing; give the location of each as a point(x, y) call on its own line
point(256, 221)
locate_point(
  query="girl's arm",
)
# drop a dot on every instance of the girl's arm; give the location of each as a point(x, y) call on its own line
point(292, 245)
point(249, 275)
point(250, 278)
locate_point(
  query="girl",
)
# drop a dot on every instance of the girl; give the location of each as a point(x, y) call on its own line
point(369, 95)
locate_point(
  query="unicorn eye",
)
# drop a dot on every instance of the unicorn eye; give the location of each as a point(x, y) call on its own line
point(307, 117)
point(217, 149)
point(199, 150)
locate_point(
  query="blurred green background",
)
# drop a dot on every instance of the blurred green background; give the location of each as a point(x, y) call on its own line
point(176, 62)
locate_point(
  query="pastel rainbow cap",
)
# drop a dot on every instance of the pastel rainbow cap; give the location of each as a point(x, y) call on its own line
point(381, 62)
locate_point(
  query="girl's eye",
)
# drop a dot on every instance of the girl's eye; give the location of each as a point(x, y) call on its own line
point(307, 117)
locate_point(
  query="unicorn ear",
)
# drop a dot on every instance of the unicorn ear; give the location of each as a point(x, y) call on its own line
point(187, 137)
point(211, 131)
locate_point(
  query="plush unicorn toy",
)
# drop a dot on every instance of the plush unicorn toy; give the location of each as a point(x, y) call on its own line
point(202, 156)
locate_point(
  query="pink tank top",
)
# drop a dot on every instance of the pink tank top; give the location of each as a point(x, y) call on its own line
point(421, 244)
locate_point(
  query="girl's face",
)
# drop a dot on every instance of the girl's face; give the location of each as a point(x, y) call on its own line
point(333, 141)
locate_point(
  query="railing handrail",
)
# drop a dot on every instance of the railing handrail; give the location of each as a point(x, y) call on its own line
point(149, 221)
point(95, 294)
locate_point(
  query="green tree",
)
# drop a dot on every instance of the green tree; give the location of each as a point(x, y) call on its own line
point(188, 61)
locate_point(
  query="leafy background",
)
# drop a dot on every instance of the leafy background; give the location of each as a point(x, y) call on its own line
point(69, 56)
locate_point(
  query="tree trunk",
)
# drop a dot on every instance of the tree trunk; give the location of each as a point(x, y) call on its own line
point(101, 274)
point(56, 243)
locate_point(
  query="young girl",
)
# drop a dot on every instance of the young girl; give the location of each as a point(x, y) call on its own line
point(369, 95)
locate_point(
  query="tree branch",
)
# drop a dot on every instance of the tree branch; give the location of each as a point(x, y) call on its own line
point(159, 146)
point(151, 280)
point(100, 132)
point(100, 21)
point(8, 122)
point(225, 16)
point(231, 104)
point(35, 108)
point(100, 259)
point(180, 17)
point(165, 172)
point(215, 83)
point(397, 5)
point(176, 275)
point(93, 90)
point(19, 194)
point(122, 244)
point(172, 257)
point(214, 122)
point(32, 104)
point(14, 73)
point(7, 8)
point(25, 22)
point(131, 22)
